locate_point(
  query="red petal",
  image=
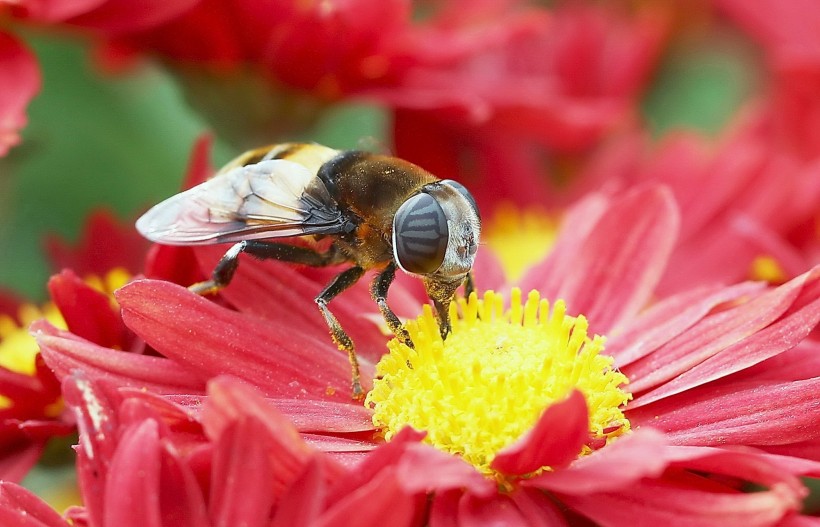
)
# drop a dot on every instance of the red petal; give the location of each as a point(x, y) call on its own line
point(57, 11)
point(18, 457)
point(65, 353)
point(181, 500)
point(554, 441)
point(302, 502)
point(799, 363)
point(232, 401)
point(211, 340)
point(380, 500)
point(748, 413)
point(420, 468)
point(669, 318)
point(87, 312)
point(538, 508)
point(115, 17)
point(132, 481)
point(474, 511)
point(243, 482)
point(730, 341)
point(283, 294)
point(652, 503)
point(22, 508)
point(610, 276)
point(20, 79)
point(105, 244)
point(613, 467)
point(692, 500)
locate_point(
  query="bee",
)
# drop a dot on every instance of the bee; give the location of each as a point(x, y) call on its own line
point(381, 213)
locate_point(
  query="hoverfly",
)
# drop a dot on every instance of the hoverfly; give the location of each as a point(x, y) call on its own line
point(381, 213)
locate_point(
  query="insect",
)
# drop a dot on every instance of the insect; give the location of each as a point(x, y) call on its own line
point(380, 212)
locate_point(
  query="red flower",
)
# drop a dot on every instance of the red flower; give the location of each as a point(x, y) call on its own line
point(21, 81)
point(711, 374)
point(743, 201)
point(31, 409)
point(237, 461)
point(788, 33)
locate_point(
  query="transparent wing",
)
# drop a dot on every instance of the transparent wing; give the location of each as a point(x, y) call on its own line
point(270, 199)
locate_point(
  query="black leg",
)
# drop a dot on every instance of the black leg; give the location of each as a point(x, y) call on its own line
point(469, 285)
point(441, 293)
point(226, 268)
point(334, 288)
point(378, 290)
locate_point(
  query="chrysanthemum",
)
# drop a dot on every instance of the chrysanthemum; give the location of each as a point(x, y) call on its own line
point(236, 460)
point(663, 418)
point(31, 405)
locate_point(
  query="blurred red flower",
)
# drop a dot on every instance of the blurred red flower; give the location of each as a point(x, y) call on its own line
point(31, 409)
point(21, 81)
point(788, 32)
point(742, 199)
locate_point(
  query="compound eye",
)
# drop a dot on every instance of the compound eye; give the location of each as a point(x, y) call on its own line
point(420, 235)
point(464, 192)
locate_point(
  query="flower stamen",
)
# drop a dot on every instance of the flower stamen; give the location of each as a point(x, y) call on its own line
point(490, 381)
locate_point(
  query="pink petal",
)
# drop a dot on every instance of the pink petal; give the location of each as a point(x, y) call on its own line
point(95, 411)
point(651, 503)
point(20, 79)
point(669, 318)
point(747, 465)
point(554, 441)
point(333, 444)
point(584, 217)
point(538, 508)
point(610, 276)
point(87, 312)
point(381, 500)
point(748, 413)
point(181, 501)
point(282, 360)
point(414, 463)
point(488, 272)
point(283, 294)
point(65, 353)
point(22, 508)
point(325, 416)
point(243, 481)
point(474, 511)
point(799, 363)
point(731, 341)
point(231, 402)
point(302, 502)
point(133, 479)
point(18, 458)
point(615, 466)
point(307, 415)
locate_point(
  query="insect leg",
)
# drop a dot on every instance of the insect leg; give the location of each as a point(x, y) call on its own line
point(337, 285)
point(225, 269)
point(378, 290)
point(469, 285)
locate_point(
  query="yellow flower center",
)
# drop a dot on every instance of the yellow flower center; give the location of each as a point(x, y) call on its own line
point(18, 349)
point(519, 238)
point(768, 269)
point(490, 381)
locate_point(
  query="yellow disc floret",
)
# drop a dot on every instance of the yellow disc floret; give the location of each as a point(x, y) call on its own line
point(490, 381)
